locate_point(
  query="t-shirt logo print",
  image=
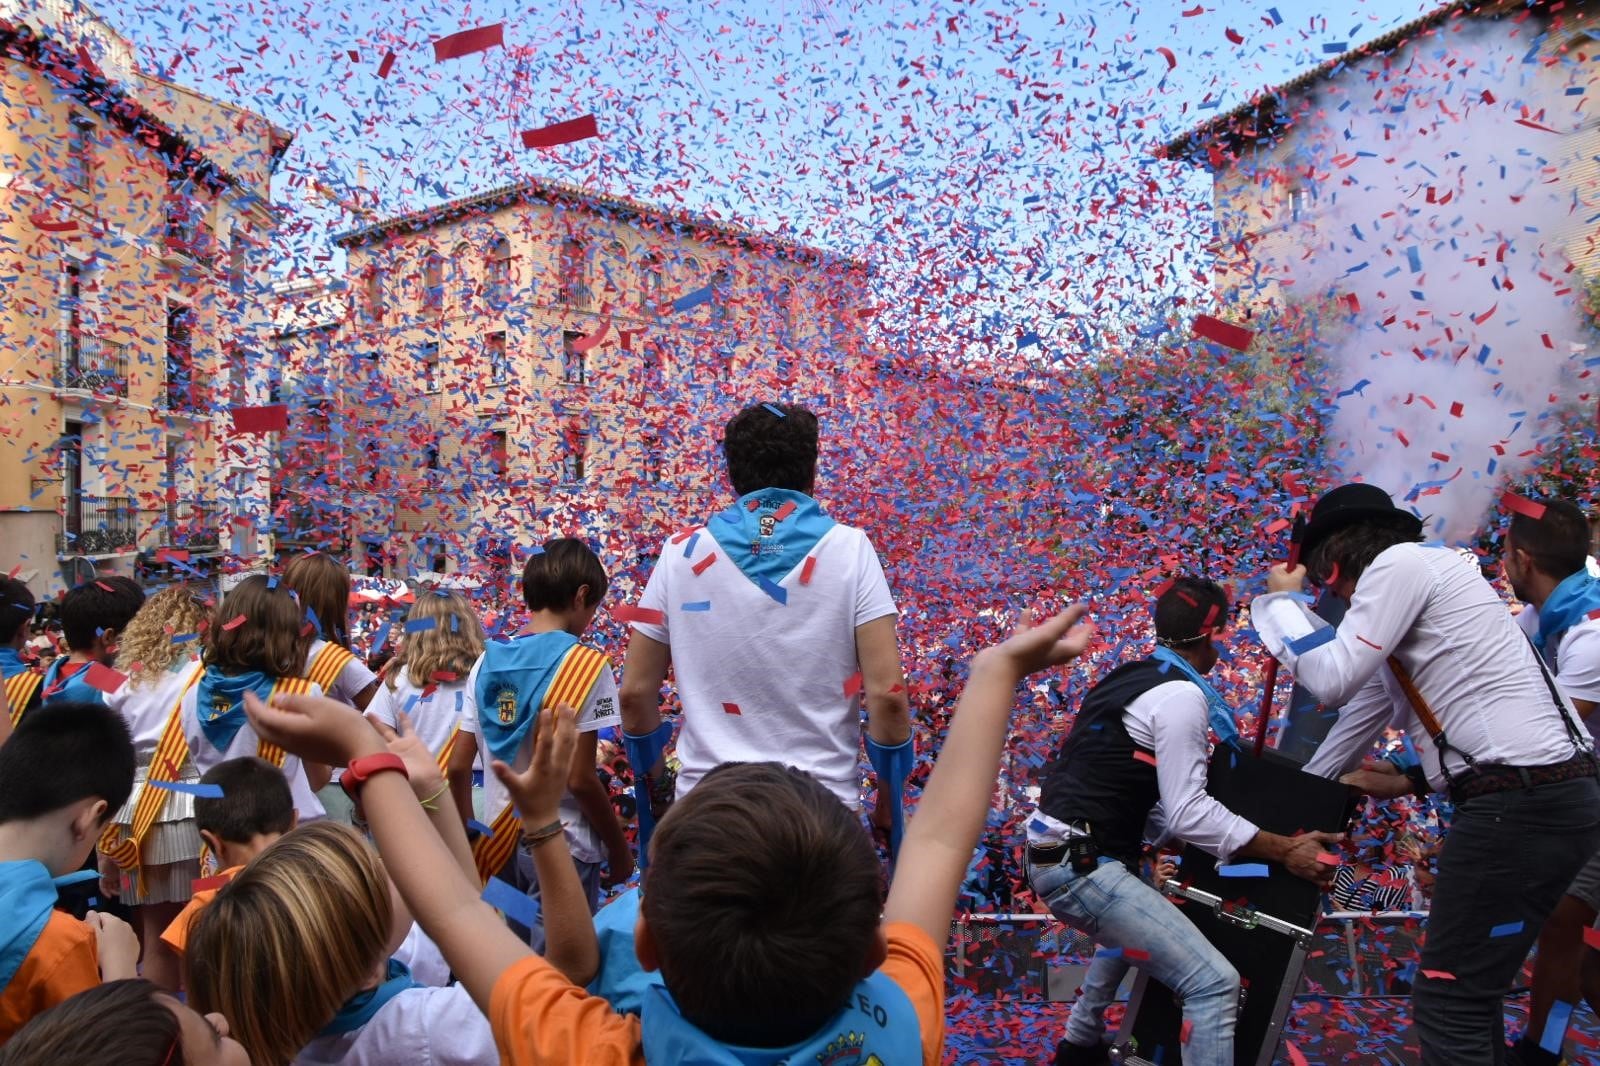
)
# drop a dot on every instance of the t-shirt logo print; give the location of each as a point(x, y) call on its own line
point(847, 1051)
point(506, 704)
point(220, 705)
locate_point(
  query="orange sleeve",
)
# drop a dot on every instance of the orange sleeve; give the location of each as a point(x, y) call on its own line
point(916, 964)
point(176, 935)
point(539, 1017)
point(63, 963)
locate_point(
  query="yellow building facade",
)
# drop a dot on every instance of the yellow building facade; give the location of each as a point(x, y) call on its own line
point(538, 358)
point(134, 223)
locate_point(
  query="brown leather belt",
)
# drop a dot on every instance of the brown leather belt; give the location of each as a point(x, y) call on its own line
point(1488, 778)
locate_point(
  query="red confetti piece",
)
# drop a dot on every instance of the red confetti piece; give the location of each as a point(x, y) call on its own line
point(1327, 857)
point(1225, 333)
point(1368, 643)
point(630, 613)
point(730, 708)
point(235, 623)
point(784, 512)
point(1456, 409)
point(1441, 456)
point(386, 66)
point(1295, 1057)
point(1172, 60)
point(700, 567)
point(206, 884)
point(576, 129)
point(103, 587)
point(271, 418)
point(1234, 37)
point(1145, 756)
point(446, 675)
point(852, 684)
point(1522, 505)
point(1184, 1031)
point(683, 535)
point(805, 571)
point(51, 225)
point(102, 677)
point(1488, 97)
point(1591, 937)
point(583, 344)
point(468, 42)
point(172, 555)
point(1439, 975)
point(1136, 955)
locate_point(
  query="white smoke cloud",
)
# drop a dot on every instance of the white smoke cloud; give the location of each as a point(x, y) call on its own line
point(1439, 205)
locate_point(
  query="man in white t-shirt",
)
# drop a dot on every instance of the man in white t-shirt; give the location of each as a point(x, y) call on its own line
point(1546, 562)
point(778, 624)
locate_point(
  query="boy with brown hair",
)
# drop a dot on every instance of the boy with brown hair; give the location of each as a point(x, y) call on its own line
point(62, 776)
point(93, 615)
point(760, 904)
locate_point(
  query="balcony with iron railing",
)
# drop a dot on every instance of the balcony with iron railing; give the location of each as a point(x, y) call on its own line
point(91, 364)
point(192, 525)
point(97, 525)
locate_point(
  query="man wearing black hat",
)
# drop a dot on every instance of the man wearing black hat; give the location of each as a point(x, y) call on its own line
point(1428, 645)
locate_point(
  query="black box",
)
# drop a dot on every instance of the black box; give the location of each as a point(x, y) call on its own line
point(1264, 926)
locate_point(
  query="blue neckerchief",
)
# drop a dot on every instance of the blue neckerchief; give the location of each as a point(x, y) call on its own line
point(878, 1025)
point(512, 679)
point(219, 702)
point(1224, 723)
point(73, 687)
point(1569, 603)
point(620, 980)
point(761, 545)
point(360, 1008)
point(11, 664)
point(27, 896)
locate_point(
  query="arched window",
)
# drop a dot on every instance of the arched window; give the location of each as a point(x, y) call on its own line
point(613, 280)
point(497, 273)
point(373, 283)
point(461, 265)
point(432, 280)
point(783, 310)
point(574, 267)
point(652, 282)
point(721, 295)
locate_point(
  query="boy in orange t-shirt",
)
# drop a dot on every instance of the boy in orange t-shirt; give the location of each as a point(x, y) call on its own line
point(760, 906)
point(255, 809)
point(62, 775)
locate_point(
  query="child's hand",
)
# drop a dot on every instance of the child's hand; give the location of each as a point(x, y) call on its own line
point(427, 780)
point(1035, 647)
point(1165, 871)
point(537, 791)
point(313, 727)
point(110, 875)
point(116, 944)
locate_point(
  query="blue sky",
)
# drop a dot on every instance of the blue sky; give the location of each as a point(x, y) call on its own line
point(992, 160)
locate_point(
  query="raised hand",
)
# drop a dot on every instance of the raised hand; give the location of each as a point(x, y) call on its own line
point(537, 791)
point(1049, 643)
point(427, 780)
point(313, 727)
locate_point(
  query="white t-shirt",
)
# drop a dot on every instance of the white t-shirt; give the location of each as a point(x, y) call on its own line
point(354, 678)
point(436, 711)
point(423, 958)
point(245, 742)
point(1576, 662)
point(600, 711)
point(763, 680)
point(418, 1027)
point(146, 703)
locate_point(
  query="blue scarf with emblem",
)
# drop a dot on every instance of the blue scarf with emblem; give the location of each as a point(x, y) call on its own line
point(27, 896)
point(512, 679)
point(219, 702)
point(763, 545)
point(65, 682)
point(11, 664)
point(1569, 603)
point(878, 1025)
point(1224, 723)
point(362, 1007)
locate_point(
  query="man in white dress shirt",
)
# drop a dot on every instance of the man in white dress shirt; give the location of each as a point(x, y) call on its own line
point(1429, 646)
point(1139, 740)
point(1546, 561)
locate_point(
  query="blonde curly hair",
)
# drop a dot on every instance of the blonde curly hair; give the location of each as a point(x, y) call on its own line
point(151, 644)
point(450, 646)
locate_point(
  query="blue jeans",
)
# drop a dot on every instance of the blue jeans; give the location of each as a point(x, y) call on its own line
point(1086, 1025)
point(1121, 911)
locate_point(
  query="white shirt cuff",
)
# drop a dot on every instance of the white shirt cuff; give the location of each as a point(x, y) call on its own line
point(1281, 617)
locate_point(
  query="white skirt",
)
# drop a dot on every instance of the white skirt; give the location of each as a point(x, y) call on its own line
point(170, 853)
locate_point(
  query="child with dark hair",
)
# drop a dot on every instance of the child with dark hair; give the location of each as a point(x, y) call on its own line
point(61, 776)
point(761, 907)
point(145, 1025)
point(23, 679)
point(562, 585)
point(93, 616)
point(254, 810)
point(779, 627)
point(323, 585)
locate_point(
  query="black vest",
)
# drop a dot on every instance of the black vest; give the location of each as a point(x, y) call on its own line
point(1095, 777)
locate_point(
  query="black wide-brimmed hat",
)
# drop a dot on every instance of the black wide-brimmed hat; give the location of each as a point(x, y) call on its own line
point(1347, 505)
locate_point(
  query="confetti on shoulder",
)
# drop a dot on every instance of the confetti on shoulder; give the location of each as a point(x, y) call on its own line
point(630, 613)
point(1312, 640)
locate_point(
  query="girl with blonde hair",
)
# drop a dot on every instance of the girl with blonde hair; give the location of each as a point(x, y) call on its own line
point(428, 681)
point(159, 651)
point(296, 953)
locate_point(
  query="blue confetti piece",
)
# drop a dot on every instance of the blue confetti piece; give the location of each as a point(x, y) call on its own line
point(775, 590)
point(76, 877)
point(1243, 869)
point(1555, 1026)
point(1312, 640)
point(420, 625)
point(774, 410)
point(688, 549)
point(513, 903)
point(697, 605)
point(1414, 258)
point(475, 826)
point(886, 183)
point(1027, 340)
point(1108, 953)
point(1508, 929)
point(1277, 19)
point(198, 790)
point(692, 300)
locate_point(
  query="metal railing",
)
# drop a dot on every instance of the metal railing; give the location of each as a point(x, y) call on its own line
point(91, 364)
point(194, 525)
point(97, 525)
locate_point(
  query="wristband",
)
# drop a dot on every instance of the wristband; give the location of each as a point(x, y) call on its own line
point(360, 769)
point(534, 837)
